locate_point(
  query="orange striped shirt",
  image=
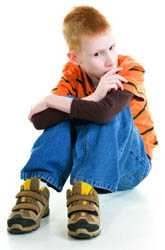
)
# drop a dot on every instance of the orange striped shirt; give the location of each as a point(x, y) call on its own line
point(76, 82)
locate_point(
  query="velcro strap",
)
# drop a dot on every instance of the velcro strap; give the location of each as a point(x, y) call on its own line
point(32, 195)
point(84, 198)
point(82, 207)
point(26, 206)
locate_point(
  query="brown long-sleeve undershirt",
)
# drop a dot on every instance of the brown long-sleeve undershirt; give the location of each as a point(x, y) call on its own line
point(99, 112)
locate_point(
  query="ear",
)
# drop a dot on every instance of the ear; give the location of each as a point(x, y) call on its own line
point(73, 57)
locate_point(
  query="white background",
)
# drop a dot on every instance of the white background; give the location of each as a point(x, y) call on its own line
point(32, 53)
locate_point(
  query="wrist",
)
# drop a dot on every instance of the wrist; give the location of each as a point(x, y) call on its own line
point(96, 96)
point(62, 103)
point(92, 97)
point(48, 100)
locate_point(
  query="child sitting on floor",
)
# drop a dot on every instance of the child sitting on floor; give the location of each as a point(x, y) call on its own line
point(97, 129)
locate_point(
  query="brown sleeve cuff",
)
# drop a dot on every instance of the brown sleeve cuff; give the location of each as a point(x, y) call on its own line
point(48, 118)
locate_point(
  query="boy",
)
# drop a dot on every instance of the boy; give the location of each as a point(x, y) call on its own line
point(97, 128)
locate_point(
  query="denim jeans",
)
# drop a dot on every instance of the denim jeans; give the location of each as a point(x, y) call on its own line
point(111, 157)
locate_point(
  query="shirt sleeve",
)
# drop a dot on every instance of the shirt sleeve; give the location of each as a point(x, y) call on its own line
point(66, 84)
point(103, 111)
point(135, 83)
point(48, 118)
point(98, 112)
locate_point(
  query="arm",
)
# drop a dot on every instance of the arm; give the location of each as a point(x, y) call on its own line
point(85, 108)
point(48, 118)
point(102, 111)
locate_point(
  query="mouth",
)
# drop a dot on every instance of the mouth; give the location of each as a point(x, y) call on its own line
point(113, 67)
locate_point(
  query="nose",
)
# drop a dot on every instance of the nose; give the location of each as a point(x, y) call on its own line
point(108, 62)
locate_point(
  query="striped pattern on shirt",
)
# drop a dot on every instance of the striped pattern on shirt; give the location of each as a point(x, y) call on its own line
point(76, 82)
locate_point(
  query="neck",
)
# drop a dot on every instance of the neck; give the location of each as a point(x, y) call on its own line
point(94, 79)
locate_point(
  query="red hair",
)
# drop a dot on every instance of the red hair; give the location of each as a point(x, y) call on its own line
point(80, 21)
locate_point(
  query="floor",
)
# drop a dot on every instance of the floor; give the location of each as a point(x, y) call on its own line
point(130, 220)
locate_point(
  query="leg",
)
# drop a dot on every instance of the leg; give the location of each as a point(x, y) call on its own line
point(102, 152)
point(51, 156)
point(136, 166)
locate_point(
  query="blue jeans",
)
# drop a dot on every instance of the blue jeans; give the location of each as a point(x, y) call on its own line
point(111, 157)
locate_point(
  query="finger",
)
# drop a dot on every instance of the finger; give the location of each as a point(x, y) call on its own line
point(120, 85)
point(29, 117)
point(113, 70)
point(113, 81)
point(122, 78)
point(119, 68)
point(116, 76)
point(113, 86)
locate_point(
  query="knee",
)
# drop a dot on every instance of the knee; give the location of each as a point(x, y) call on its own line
point(58, 127)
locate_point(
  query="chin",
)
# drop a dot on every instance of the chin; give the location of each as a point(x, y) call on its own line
point(103, 74)
point(98, 76)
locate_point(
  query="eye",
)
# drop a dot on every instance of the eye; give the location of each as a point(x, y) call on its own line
point(96, 54)
point(111, 47)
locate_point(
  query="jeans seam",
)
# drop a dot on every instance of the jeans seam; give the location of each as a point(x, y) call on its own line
point(133, 173)
point(124, 148)
point(140, 159)
point(85, 151)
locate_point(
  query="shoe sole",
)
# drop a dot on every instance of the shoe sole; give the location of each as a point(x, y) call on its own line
point(83, 229)
point(19, 229)
point(83, 233)
point(19, 225)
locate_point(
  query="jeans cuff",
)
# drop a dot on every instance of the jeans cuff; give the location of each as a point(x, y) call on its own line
point(52, 182)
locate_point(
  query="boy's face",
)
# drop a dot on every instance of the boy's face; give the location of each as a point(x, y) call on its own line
point(98, 54)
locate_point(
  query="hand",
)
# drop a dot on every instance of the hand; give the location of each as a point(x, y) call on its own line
point(109, 81)
point(40, 106)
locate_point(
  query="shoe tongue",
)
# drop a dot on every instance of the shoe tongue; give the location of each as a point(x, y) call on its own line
point(31, 184)
point(82, 188)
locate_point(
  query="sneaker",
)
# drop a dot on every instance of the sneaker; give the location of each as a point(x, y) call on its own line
point(31, 206)
point(83, 211)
